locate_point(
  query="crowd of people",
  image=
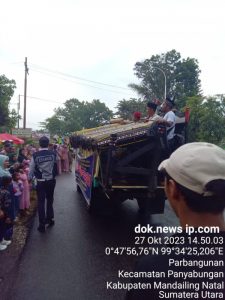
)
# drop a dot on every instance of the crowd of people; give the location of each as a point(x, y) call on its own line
point(15, 184)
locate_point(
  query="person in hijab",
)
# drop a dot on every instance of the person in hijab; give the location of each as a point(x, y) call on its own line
point(4, 172)
point(22, 156)
point(4, 164)
point(6, 224)
point(5, 203)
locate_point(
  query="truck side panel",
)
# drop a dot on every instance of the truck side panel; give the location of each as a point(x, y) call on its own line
point(84, 169)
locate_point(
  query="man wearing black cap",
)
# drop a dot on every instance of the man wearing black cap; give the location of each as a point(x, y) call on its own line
point(43, 167)
point(8, 151)
point(151, 109)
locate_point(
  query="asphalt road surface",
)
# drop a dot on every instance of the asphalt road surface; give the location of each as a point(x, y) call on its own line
point(68, 261)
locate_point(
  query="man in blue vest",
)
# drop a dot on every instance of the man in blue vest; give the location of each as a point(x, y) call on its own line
point(43, 167)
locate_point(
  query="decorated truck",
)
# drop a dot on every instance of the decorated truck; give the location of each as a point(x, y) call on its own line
point(116, 162)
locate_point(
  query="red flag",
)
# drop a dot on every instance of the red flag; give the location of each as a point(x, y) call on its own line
point(187, 114)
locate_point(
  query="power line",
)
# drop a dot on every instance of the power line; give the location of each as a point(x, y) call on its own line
point(85, 84)
point(77, 77)
point(42, 99)
point(16, 63)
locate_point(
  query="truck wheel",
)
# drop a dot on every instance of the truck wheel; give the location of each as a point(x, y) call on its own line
point(79, 189)
point(99, 202)
point(96, 200)
point(142, 204)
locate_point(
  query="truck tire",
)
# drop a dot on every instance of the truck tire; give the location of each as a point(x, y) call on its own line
point(143, 206)
point(99, 203)
point(78, 189)
point(154, 205)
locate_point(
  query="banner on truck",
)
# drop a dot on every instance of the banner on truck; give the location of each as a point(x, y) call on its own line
point(84, 169)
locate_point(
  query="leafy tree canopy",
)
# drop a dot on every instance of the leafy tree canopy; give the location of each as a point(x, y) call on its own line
point(7, 88)
point(126, 108)
point(76, 115)
point(13, 119)
point(207, 119)
point(182, 77)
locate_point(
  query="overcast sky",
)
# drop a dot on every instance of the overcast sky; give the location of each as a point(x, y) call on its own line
point(100, 41)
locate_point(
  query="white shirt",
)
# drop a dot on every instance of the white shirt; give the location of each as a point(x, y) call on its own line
point(155, 117)
point(170, 117)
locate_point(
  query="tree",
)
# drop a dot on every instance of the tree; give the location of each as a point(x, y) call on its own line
point(7, 88)
point(77, 115)
point(126, 108)
point(13, 119)
point(195, 104)
point(97, 113)
point(54, 125)
point(182, 77)
point(207, 119)
point(212, 127)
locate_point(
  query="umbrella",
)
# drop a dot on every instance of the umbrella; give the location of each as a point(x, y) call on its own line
point(9, 137)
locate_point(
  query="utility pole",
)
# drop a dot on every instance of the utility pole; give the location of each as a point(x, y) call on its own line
point(18, 111)
point(25, 93)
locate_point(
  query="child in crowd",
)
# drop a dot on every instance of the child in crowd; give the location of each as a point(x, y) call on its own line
point(25, 166)
point(22, 155)
point(29, 152)
point(14, 168)
point(25, 197)
point(6, 221)
point(18, 189)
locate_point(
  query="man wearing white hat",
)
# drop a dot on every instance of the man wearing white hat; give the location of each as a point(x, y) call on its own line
point(195, 184)
point(195, 188)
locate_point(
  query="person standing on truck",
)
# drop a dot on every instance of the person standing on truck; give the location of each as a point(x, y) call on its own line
point(43, 167)
point(169, 121)
point(151, 110)
point(137, 116)
point(195, 187)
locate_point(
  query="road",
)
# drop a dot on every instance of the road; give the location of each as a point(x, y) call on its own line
point(68, 261)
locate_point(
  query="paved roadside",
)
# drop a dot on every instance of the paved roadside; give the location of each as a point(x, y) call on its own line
point(9, 258)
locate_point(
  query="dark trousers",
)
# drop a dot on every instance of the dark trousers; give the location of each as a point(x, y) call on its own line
point(2, 229)
point(45, 190)
point(170, 144)
point(6, 230)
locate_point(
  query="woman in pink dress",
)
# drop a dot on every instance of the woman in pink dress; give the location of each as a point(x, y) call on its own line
point(25, 197)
